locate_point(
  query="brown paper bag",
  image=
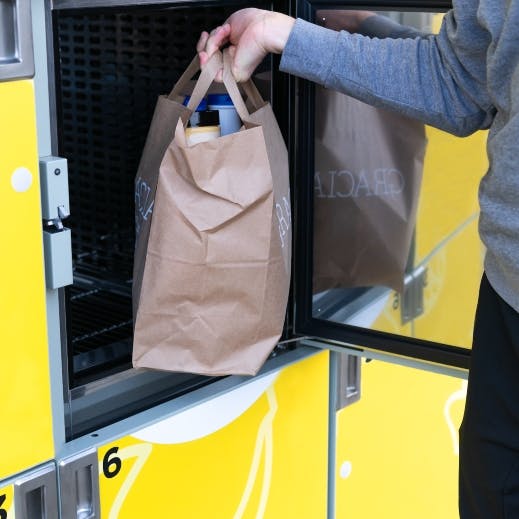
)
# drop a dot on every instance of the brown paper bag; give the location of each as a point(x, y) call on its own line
point(167, 112)
point(368, 171)
point(217, 264)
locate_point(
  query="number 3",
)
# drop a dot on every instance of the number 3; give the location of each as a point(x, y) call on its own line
point(3, 513)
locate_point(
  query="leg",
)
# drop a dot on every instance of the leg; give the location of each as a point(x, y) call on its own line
point(489, 434)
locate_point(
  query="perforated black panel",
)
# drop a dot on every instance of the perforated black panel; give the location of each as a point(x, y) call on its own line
point(111, 66)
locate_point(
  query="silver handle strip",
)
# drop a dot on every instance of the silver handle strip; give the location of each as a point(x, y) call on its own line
point(36, 494)
point(16, 51)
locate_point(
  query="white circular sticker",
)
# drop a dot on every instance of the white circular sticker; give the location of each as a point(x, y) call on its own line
point(21, 180)
point(345, 470)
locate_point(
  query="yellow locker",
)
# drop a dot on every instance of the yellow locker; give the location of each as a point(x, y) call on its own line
point(26, 436)
point(397, 448)
point(257, 452)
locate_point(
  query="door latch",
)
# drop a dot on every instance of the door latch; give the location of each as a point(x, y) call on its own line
point(57, 242)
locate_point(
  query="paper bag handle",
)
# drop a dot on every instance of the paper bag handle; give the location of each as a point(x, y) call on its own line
point(250, 89)
point(207, 75)
point(232, 87)
point(212, 67)
point(203, 83)
point(184, 79)
point(253, 94)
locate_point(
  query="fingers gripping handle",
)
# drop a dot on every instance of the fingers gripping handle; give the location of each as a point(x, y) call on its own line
point(253, 94)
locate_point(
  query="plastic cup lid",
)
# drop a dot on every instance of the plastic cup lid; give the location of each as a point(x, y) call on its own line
point(201, 106)
point(219, 99)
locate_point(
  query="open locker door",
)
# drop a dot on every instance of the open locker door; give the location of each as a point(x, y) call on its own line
point(396, 308)
point(387, 253)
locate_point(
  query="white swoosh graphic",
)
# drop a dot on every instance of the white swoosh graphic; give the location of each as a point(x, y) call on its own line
point(207, 417)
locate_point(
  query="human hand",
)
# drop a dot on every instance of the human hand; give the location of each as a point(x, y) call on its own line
point(342, 20)
point(252, 34)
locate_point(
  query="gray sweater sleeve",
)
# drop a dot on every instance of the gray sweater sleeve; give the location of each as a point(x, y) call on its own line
point(439, 79)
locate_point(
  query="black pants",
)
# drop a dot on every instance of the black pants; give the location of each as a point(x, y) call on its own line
point(489, 434)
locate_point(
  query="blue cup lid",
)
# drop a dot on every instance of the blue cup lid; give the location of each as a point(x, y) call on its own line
point(201, 107)
point(219, 99)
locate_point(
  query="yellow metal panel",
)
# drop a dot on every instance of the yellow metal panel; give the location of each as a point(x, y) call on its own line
point(268, 462)
point(397, 448)
point(451, 290)
point(452, 170)
point(26, 434)
point(447, 239)
point(7, 502)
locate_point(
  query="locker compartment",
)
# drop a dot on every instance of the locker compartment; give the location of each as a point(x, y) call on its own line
point(110, 65)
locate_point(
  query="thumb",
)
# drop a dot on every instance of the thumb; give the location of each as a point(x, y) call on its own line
point(235, 67)
point(245, 59)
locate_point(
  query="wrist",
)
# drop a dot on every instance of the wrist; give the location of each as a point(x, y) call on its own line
point(277, 28)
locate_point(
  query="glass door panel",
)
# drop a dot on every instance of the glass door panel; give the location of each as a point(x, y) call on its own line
point(396, 259)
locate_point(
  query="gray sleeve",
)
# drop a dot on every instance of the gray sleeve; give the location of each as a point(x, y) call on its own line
point(440, 80)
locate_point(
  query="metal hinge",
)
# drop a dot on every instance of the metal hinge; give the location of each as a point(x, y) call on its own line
point(57, 242)
point(412, 299)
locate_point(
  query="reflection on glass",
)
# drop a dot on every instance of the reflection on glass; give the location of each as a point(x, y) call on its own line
point(388, 246)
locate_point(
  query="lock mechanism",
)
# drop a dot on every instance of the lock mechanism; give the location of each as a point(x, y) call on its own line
point(55, 208)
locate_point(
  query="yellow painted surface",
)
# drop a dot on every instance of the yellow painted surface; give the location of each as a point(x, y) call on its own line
point(447, 242)
point(397, 448)
point(447, 238)
point(269, 462)
point(452, 170)
point(451, 292)
point(26, 436)
point(7, 502)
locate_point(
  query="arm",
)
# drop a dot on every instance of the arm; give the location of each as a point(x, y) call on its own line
point(440, 80)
